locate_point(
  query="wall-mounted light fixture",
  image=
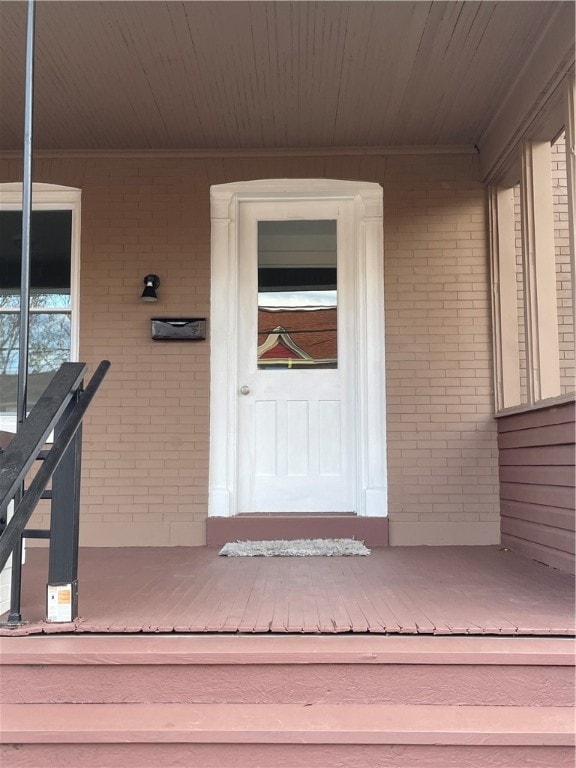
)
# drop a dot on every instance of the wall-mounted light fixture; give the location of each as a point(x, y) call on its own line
point(151, 282)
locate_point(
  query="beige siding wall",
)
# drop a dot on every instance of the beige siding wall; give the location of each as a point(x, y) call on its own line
point(146, 439)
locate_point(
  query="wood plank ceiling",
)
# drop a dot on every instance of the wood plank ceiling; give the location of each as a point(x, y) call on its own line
point(167, 75)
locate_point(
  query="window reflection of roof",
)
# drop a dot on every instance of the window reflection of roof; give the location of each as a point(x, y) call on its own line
point(310, 308)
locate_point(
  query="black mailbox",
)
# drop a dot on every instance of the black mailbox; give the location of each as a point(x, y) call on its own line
point(178, 328)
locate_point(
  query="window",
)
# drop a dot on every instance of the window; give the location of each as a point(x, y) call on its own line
point(53, 290)
point(297, 294)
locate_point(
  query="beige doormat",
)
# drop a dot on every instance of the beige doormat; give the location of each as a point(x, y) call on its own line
point(295, 548)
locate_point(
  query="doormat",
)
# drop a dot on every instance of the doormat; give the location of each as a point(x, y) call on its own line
point(295, 548)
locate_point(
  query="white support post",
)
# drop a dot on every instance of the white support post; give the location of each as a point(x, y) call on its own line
point(504, 297)
point(570, 132)
point(539, 263)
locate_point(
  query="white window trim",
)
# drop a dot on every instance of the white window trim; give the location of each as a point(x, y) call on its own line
point(539, 272)
point(506, 356)
point(53, 197)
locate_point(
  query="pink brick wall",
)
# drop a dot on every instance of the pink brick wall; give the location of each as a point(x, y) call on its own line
point(146, 439)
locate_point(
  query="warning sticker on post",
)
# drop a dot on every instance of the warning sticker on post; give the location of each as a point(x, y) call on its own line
point(59, 601)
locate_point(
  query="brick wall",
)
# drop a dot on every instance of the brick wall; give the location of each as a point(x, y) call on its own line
point(563, 268)
point(522, 362)
point(442, 451)
point(146, 439)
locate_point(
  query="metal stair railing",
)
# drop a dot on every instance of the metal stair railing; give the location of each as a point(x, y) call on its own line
point(60, 409)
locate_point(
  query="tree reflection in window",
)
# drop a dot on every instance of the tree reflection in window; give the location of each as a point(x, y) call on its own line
point(297, 294)
point(50, 302)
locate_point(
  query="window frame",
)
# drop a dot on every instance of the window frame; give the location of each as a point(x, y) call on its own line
point(52, 197)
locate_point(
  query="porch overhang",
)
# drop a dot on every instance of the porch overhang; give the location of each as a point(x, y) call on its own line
point(274, 77)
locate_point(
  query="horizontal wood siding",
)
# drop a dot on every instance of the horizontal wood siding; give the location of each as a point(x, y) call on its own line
point(537, 478)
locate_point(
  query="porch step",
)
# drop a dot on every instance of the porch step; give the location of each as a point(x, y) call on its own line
point(298, 701)
point(52, 733)
point(285, 724)
point(373, 531)
point(295, 669)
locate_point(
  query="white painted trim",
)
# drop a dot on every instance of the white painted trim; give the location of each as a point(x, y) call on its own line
point(539, 272)
point(53, 197)
point(11, 193)
point(167, 154)
point(570, 141)
point(550, 402)
point(532, 108)
point(506, 365)
point(369, 364)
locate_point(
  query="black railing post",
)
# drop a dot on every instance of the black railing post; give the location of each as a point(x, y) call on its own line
point(24, 333)
point(62, 587)
point(61, 408)
point(15, 615)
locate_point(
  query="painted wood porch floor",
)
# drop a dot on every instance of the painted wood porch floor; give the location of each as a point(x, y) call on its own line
point(408, 590)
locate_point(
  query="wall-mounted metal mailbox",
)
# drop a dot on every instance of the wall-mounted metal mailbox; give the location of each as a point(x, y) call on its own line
point(178, 328)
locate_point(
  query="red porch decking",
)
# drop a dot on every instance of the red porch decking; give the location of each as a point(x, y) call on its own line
point(407, 590)
point(263, 694)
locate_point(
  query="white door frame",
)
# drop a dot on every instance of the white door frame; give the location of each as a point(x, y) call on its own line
point(369, 353)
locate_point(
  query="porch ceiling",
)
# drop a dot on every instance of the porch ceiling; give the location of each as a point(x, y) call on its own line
point(262, 75)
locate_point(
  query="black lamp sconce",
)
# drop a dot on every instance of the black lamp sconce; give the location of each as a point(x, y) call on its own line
point(151, 283)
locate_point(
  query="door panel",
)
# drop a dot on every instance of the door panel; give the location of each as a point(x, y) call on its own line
point(296, 405)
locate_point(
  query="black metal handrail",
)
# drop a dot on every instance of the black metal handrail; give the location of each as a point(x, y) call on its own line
point(61, 409)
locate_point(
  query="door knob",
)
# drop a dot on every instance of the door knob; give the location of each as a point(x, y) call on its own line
point(245, 390)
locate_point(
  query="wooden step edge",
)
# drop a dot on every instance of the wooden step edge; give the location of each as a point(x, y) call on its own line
point(286, 724)
point(292, 649)
point(373, 531)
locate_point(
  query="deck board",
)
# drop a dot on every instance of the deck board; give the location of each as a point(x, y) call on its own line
point(358, 620)
point(372, 600)
point(396, 590)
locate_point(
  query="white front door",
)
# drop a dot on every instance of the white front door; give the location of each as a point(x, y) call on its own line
point(297, 371)
point(296, 329)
